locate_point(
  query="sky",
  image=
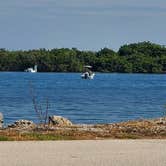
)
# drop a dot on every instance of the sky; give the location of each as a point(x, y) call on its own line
point(82, 24)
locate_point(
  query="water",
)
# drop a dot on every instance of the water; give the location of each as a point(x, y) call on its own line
point(106, 99)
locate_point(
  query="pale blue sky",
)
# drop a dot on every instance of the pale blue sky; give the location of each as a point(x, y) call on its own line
point(84, 24)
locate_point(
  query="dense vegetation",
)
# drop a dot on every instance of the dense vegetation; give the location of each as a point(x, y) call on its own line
point(143, 57)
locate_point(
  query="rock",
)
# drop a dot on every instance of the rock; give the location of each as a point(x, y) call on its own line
point(161, 121)
point(22, 124)
point(59, 121)
point(1, 120)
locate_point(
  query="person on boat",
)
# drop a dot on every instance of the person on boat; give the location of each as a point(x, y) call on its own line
point(86, 75)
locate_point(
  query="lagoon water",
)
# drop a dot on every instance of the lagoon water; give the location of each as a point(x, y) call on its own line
point(106, 99)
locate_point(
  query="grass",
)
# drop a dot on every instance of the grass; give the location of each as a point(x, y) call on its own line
point(126, 130)
point(37, 136)
point(44, 137)
point(34, 136)
point(5, 138)
point(127, 136)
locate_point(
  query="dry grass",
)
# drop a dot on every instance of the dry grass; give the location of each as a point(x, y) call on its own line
point(127, 130)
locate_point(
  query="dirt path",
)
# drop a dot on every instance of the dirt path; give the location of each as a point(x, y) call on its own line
point(84, 153)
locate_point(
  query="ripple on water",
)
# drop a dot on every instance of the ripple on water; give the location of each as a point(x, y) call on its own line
point(106, 99)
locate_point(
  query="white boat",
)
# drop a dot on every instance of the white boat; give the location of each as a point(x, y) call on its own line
point(88, 74)
point(32, 70)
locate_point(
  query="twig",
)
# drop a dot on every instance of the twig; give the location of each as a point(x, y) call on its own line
point(42, 116)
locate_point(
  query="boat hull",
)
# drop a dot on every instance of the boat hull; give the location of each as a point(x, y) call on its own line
point(87, 76)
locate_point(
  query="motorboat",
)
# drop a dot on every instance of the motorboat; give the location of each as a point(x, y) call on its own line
point(32, 70)
point(87, 74)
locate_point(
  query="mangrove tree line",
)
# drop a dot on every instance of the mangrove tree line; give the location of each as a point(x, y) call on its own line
point(142, 57)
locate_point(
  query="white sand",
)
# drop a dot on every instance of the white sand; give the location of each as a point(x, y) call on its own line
point(84, 153)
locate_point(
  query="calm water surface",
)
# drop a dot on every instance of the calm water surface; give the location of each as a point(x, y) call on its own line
point(106, 99)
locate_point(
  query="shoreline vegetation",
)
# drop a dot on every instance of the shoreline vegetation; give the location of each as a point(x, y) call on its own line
point(142, 57)
point(24, 130)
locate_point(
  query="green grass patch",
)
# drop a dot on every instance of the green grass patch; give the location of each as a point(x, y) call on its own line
point(5, 138)
point(44, 137)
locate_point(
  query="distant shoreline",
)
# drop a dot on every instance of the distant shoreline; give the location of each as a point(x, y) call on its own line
point(141, 57)
point(81, 72)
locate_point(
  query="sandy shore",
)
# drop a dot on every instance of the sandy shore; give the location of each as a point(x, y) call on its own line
point(84, 153)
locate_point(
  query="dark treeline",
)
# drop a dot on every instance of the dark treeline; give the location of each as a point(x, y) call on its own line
point(143, 57)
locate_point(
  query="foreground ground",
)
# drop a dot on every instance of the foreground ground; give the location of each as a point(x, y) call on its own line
point(81, 153)
point(140, 129)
